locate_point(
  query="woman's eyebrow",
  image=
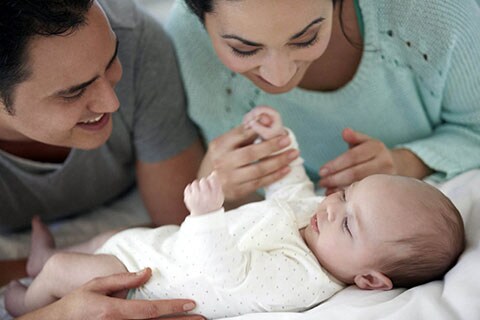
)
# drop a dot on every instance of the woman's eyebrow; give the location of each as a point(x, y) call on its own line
point(299, 34)
point(247, 42)
point(256, 44)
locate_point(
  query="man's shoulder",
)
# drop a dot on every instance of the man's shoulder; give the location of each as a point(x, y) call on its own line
point(122, 14)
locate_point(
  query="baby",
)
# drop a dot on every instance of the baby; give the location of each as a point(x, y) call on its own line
point(287, 253)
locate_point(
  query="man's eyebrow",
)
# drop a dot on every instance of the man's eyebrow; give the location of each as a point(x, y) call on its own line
point(72, 90)
point(76, 88)
point(256, 44)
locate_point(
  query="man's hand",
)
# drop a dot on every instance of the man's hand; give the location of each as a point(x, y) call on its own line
point(94, 301)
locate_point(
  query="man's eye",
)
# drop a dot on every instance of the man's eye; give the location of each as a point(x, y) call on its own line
point(75, 96)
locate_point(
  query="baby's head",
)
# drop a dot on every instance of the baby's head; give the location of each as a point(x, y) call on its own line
point(386, 231)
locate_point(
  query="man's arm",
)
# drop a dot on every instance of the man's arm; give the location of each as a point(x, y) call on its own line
point(161, 184)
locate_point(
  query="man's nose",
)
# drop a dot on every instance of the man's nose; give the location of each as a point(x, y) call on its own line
point(106, 100)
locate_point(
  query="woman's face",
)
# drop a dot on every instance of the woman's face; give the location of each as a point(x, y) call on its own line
point(271, 42)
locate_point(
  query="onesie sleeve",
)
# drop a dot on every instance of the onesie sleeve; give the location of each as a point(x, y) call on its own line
point(205, 244)
point(296, 183)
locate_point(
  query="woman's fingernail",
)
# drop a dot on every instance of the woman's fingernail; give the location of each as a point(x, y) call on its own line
point(188, 306)
point(285, 141)
point(293, 155)
point(324, 171)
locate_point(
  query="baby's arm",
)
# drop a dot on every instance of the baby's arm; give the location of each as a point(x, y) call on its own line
point(267, 122)
point(204, 196)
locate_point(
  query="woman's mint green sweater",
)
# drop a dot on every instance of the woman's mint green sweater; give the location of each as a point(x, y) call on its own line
point(417, 86)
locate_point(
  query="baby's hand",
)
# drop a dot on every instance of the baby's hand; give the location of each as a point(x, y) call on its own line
point(265, 121)
point(204, 195)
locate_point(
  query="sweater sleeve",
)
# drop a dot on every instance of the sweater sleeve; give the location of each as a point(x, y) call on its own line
point(454, 146)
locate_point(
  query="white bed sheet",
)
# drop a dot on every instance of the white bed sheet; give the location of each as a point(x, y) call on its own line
point(456, 297)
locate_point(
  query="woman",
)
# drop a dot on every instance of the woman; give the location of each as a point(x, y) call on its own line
point(367, 86)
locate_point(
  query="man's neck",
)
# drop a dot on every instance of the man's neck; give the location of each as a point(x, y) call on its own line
point(35, 151)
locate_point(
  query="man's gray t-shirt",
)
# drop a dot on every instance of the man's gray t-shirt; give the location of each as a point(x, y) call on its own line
point(151, 125)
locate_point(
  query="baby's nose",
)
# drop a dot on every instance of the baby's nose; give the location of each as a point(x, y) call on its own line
point(330, 215)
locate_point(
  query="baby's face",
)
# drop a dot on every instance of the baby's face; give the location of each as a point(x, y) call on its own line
point(351, 229)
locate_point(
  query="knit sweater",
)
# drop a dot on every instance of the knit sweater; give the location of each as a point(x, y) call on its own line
point(417, 86)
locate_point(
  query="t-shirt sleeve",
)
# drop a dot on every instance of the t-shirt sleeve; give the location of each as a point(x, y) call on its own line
point(161, 127)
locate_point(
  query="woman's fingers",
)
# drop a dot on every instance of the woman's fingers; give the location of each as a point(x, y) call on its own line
point(231, 140)
point(346, 177)
point(250, 154)
point(244, 180)
point(358, 154)
point(242, 189)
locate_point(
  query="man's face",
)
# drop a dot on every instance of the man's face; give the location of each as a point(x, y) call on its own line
point(69, 97)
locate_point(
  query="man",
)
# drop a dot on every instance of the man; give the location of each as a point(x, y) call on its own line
point(72, 129)
point(89, 105)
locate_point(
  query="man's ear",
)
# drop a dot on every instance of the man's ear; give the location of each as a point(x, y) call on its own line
point(373, 280)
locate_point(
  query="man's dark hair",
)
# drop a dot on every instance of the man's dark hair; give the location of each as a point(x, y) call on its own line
point(20, 21)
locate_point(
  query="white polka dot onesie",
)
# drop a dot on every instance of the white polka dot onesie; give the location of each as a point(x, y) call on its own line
point(250, 259)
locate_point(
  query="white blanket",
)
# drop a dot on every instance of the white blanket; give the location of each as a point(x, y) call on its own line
point(456, 297)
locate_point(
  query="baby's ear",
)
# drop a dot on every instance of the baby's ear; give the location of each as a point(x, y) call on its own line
point(373, 280)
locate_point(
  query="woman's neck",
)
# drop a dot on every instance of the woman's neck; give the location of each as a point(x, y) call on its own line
point(338, 65)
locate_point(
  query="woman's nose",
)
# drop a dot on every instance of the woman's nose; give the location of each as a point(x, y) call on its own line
point(278, 69)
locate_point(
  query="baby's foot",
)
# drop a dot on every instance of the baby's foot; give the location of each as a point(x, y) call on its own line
point(15, 298)
point(41, 248)
point(204, 195)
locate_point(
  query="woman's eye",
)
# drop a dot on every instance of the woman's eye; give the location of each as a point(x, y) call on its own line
point(243, 53)
point(308, 43)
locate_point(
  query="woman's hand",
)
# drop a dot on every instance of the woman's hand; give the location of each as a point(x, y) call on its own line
point(94, 301)
point(367, 156)
point(242, 166)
